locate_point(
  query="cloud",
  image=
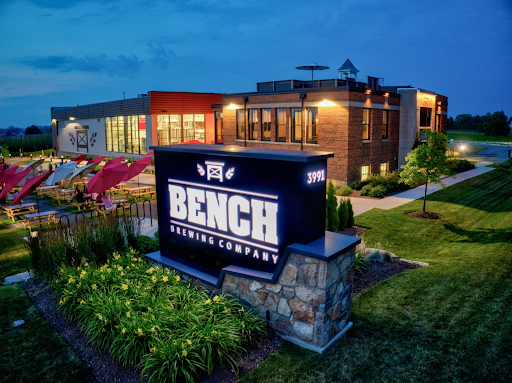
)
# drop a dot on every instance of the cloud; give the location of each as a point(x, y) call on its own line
point(160, 57)
point(122, 66)
point(63, 4)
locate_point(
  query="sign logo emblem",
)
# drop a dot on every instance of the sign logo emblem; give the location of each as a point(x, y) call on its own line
point(215, 170)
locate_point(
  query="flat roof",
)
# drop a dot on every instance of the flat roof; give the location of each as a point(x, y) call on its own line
point(239, 151)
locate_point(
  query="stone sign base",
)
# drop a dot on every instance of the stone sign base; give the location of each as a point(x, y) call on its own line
point(309, 303)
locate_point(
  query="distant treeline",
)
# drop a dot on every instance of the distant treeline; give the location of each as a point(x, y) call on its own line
point(29, 143)
point(495, 123)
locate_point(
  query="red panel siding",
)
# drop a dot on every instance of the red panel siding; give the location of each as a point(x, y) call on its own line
point(182, 102)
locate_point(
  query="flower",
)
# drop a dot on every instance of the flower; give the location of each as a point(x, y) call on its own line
point(189, 342)
point(177, 277)
point(123, 330)
point(153, 329)
point(153, 278)
point(86, 264)
point(139, 332)
point(216, 298)
point(128, 314)
point(81, 301)
point(150, 270)
point(94, 287)
point(102, 277)
point(208, 301)
point(164, 278)
point(100, 317)
point(127, 303)
point(124, 286)
point(103, 330)
point(61, 302)
point(184, 354)
point(152, 350)
point(149, 308)
point(120, 268)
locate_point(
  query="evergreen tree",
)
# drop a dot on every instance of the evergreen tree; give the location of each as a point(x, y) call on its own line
point(343, 214)
point(332, 213)
point(350, 214)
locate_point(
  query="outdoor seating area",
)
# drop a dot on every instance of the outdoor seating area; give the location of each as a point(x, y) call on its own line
point(14, 210)
point(38, 218)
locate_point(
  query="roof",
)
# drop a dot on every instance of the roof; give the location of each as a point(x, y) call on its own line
point(348, 67)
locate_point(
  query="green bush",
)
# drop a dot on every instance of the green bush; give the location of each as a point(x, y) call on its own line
point(332, 219)
point(458, 165)
point(150, 319)
point(378, 191)
point(344, 191)
point(350, 219)
point(365, 190)
point(147, 244)
point(343, 214)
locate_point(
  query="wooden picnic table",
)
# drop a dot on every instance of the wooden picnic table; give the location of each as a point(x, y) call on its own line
point(49, 216)
point(52, 189)
point(140, 191)
point(14, 210)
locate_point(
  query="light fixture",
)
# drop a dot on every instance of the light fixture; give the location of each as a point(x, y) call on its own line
point(326, 103)
point(72, 118)
point(232, 106)
point(368, 91)
point(386, 94)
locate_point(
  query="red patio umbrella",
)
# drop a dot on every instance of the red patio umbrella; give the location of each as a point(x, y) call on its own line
point(30, 185)
point(7, 174)
point(137, 167)
point(14, 181)
point(113, 161)
point(2, 166)
point(95, 160)
point(107, 178)
point(192, 142)
point(151, 153)
point(79, 158)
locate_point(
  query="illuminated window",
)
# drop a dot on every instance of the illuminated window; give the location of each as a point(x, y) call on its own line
point(365, 172)
point(252, 123)
point(425, 115)
point(193, 127)
point(385, 124)
point(366, 124)
point(126, 134)
point(240, 123)
point(296, 124)
point(312, 125)
point(265, 124)
point(219, 128)
point(383, 169)
point(281, 124)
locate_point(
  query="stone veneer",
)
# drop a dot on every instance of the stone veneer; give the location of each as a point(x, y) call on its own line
point(310, 303)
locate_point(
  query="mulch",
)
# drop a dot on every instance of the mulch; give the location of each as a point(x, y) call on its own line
point(106, 370)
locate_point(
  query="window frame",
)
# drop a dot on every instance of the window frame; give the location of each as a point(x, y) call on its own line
point(266, 126)
point(219, 137)
point(365, 175)
point(384, 170)
point(313, 127)
point(425, 117)
point(280, 128)
point(294, 124)
point(367, 125)
point(385, 124)
point(252, 123)
point(240, 125)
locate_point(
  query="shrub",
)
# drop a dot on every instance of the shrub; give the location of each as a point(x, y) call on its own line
point(365, 190)
point(147, 244)
point(344, 191)
point(332, 219)
point(350, 219)
point(458, 165)
point(342, 214)
point(150, 319)
point(377, 192)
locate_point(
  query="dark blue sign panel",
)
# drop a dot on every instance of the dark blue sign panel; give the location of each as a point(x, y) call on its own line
point(230, 206)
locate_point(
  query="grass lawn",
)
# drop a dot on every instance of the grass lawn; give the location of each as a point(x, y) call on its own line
point(448, 322)
point(14, 257)
point(34, 352)
point(465, 135)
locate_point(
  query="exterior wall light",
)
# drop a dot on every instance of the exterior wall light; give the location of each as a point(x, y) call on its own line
point(72, 118)
point(326, 103)
point(368, 91)
point(232, 106)
point(386, 94)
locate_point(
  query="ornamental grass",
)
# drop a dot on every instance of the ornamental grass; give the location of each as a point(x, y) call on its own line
point(153, 320)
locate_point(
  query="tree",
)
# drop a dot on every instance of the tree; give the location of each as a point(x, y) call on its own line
point(343, 214)
point(332, 219)
point(426, 163)
point(4, 151)
point(497, 125)
point(32, 129)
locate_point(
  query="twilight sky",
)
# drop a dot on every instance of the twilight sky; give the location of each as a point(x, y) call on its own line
point(69, 52)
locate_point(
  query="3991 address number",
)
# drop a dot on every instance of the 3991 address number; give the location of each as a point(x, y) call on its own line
point(316, 176)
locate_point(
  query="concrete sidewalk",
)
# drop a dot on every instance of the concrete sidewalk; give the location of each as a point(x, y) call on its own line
point(361, 205)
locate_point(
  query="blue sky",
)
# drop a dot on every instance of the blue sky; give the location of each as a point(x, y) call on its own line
point(69, 52)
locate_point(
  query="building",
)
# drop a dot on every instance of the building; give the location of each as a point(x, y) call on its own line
point(129, 127)
point(369, 127)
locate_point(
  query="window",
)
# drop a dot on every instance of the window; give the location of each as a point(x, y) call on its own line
point(366, 124)
point(296, 124)
point(439, 128)
point(265, 124)
point(169, 129)
point(365, 172)
point(219, 128)
point(383, 169)
point(193, 127)
point(253, 123)
point(240, 123)
point(126, 134)
point(385, 124)
point(281, 124)
point(425, 114)
point(311, 125)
